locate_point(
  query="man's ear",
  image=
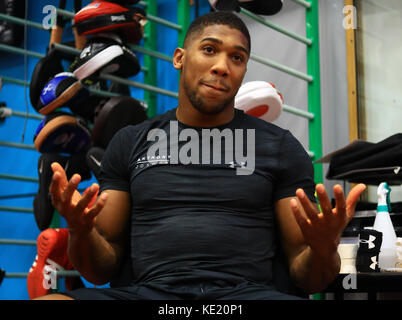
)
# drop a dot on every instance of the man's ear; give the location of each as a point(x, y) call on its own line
point(178, 57)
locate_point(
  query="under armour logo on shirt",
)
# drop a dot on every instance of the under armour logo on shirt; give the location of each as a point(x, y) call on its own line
point(242, 164)
point(375, 262)
point(370, 241)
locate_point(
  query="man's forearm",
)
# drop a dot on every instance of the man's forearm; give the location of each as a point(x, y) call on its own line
point(92, 256)
point(313, 273)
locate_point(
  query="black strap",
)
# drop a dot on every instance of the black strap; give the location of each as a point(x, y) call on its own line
point(60, 20)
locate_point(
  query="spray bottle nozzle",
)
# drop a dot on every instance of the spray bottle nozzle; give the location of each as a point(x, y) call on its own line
point(383, 193)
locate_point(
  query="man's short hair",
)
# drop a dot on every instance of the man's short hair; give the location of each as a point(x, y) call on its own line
point(218, 17)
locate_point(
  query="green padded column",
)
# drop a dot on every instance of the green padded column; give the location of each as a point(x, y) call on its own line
point(314, 87)
point(314, 93)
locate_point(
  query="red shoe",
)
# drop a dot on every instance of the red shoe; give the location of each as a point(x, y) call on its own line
point(52, 255)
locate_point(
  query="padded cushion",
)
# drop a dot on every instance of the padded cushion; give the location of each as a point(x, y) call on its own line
point(259, 99)
point(42, 204)
point(97, 8)
point(45, 70)
point(94, 159)
point(101, 16)
point(64, 89)
point(86, 108)
point(61, 132)
point(105, 54)
point(115, 114)
point(125, 66)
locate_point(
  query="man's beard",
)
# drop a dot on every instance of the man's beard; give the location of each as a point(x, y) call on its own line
point(199, 104)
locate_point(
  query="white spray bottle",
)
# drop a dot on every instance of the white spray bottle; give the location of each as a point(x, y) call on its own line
point(383, 223)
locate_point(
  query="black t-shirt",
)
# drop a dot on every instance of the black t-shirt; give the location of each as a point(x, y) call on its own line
point(205, 219)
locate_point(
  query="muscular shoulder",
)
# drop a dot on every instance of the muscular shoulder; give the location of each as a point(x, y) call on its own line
point(269, 136)
point(131, 134)
point(154, 122)
point(264, 127)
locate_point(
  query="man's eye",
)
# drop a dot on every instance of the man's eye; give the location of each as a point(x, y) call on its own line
point(238, 57)
point(208, 49)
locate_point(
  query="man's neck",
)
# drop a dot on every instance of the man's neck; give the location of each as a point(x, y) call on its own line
point(194, 118)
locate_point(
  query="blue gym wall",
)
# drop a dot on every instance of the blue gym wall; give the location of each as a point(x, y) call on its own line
point(23, 162)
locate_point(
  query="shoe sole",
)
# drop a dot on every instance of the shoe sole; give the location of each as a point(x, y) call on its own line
point(45, 245)
point(97, 62)
point(62, 99)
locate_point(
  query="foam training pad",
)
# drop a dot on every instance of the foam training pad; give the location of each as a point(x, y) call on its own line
point(94, 159)
point(45, 70)
point(86, 108)
point(121, 89)
point(125, 66)
point(105, 54)
point(115, 114)
point(104, 16)
point(42, 204)
point(64, 89)
point(61, 132)
point(259, 99)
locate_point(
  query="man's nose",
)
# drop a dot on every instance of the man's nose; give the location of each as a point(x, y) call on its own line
point(221, 67)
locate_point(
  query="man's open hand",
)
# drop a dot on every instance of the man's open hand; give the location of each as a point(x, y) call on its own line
point(322, 230)
point(78, 210)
